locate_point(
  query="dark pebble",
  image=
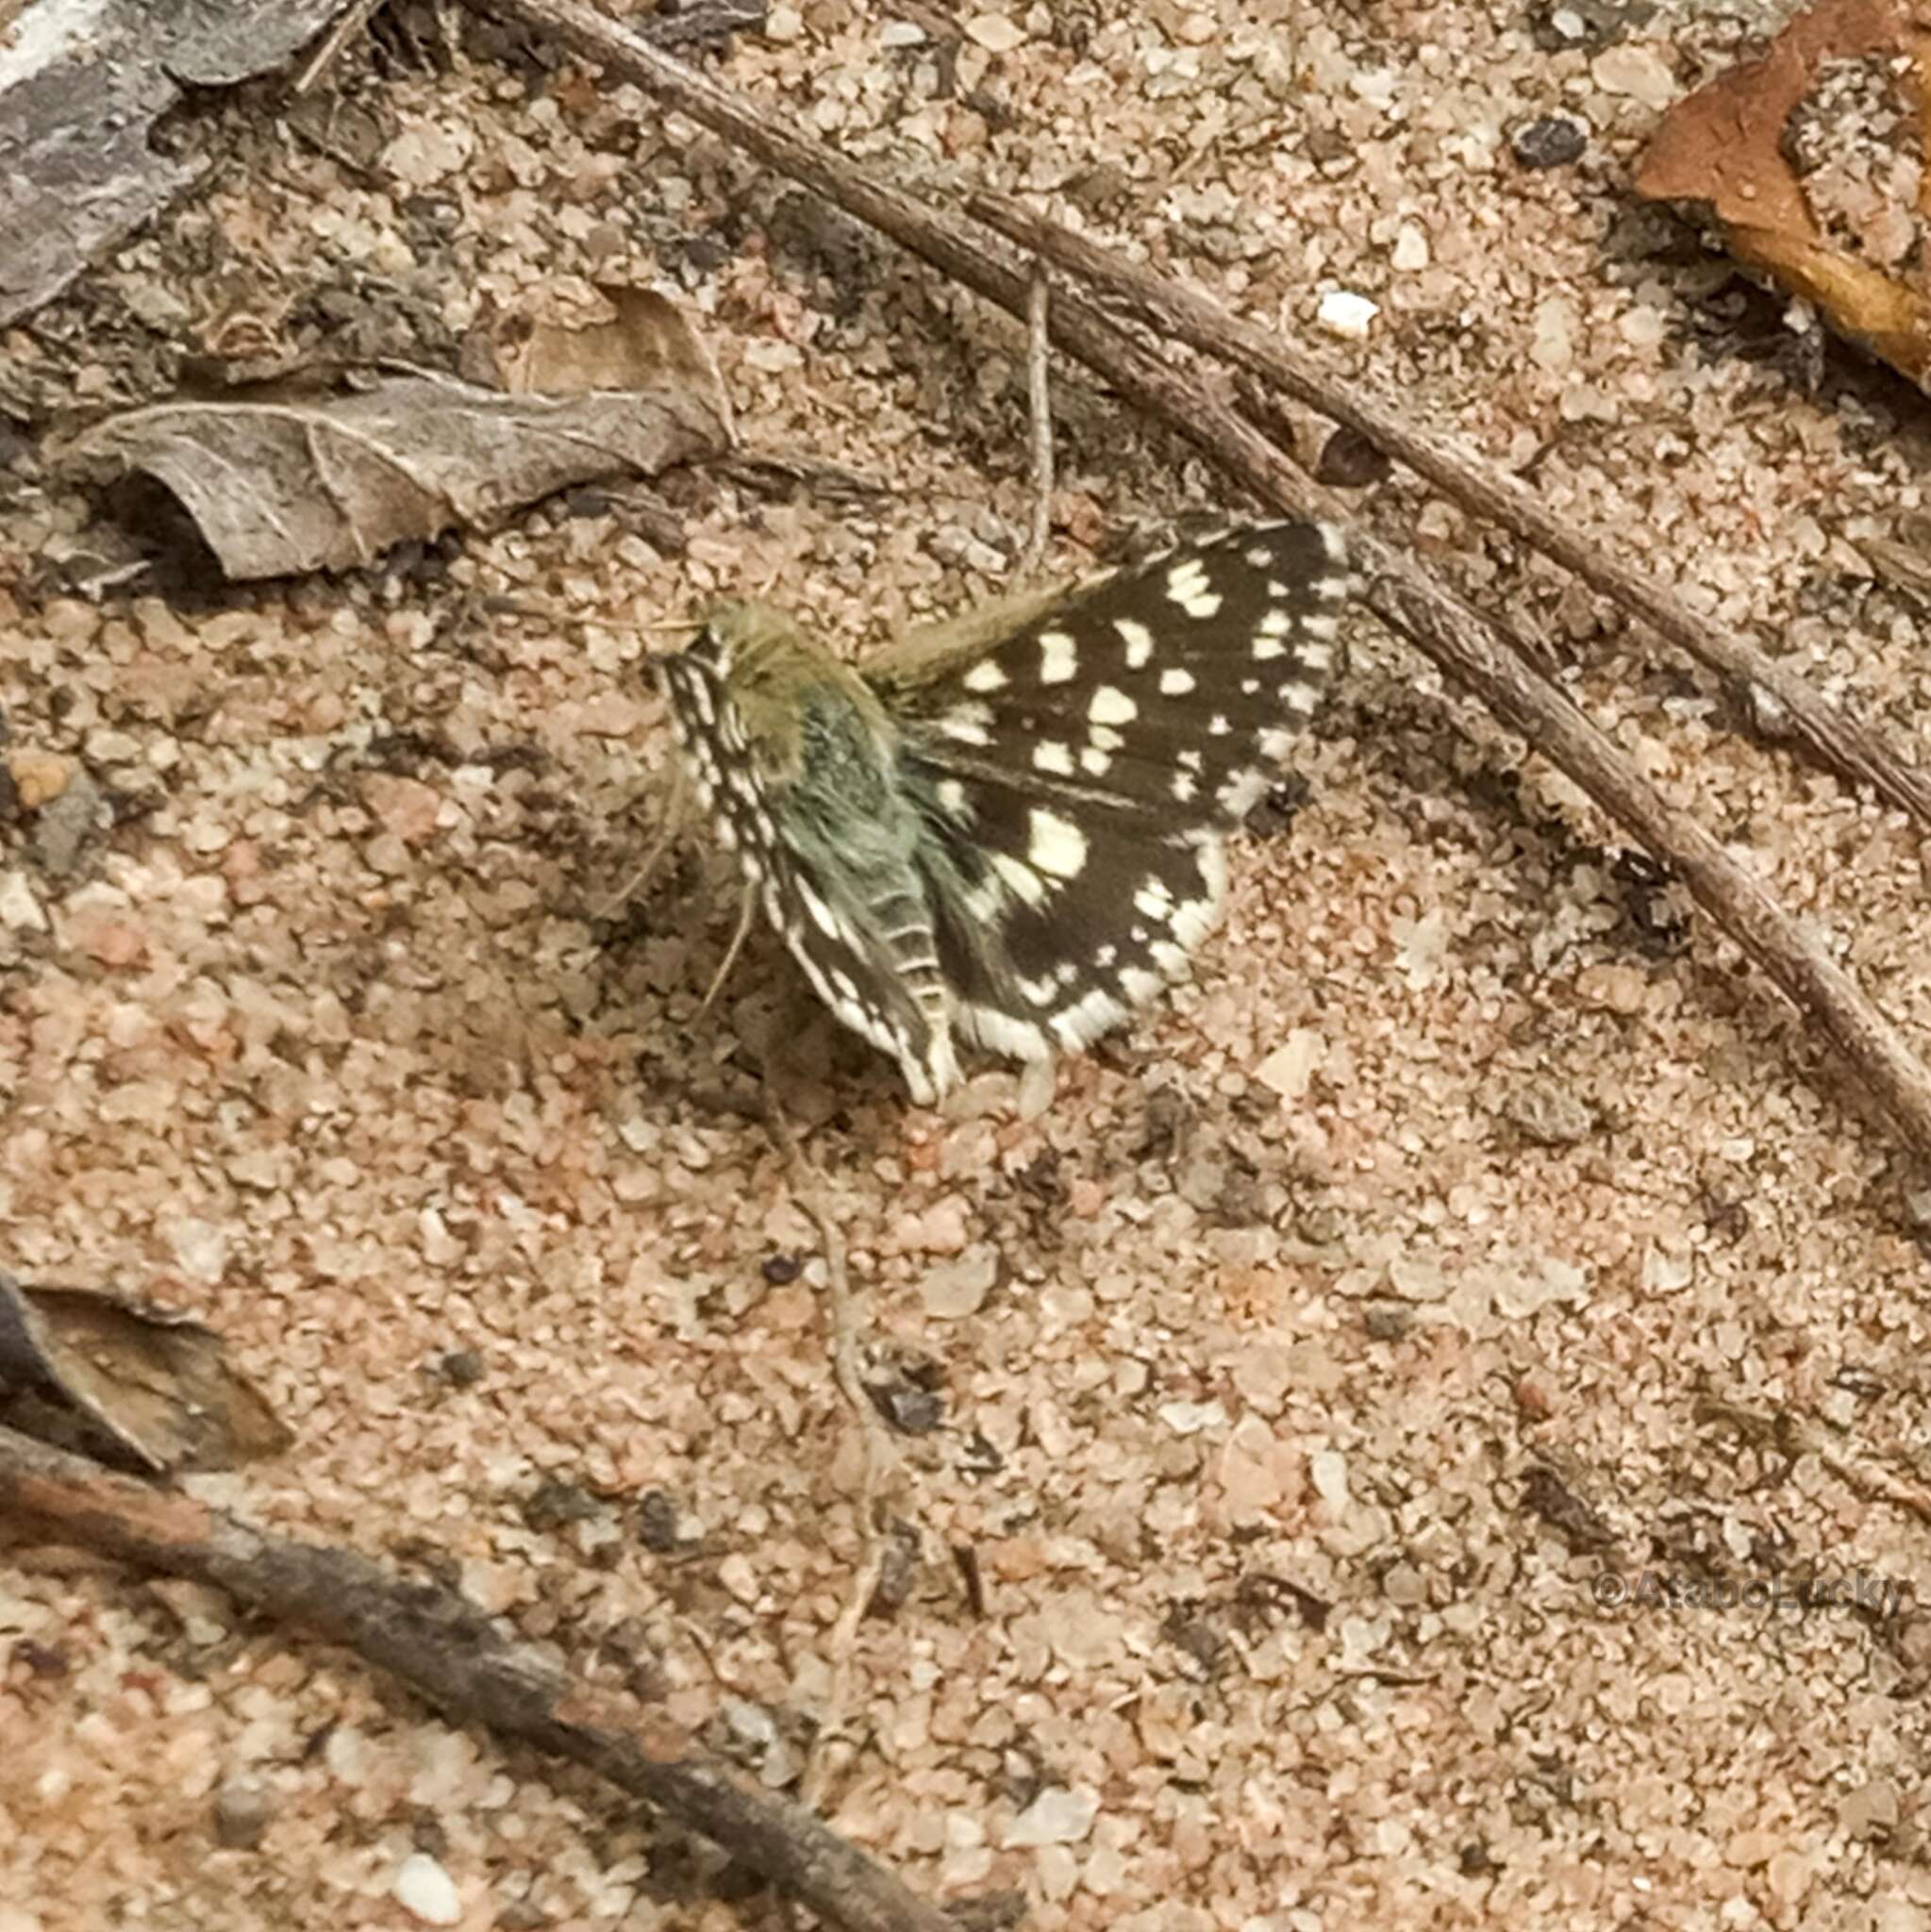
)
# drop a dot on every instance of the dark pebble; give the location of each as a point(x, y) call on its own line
point(462, 1368)
point(1349, 461)
point(555, 1504)
point(657, 1522)
point(242, 1812)
point(1553, 142)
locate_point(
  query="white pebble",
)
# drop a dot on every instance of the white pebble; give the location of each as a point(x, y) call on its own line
point(1057, 1817)
point(1342, 314)
point(960, 1287)
point(426, 1891)
point(995, 33)
point(1330, 1470)
point(19, 908)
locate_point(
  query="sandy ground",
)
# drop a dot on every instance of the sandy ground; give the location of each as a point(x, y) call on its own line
point(1475, 1228)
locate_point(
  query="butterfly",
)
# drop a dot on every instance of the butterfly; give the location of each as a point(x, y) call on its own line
point(1009, 830)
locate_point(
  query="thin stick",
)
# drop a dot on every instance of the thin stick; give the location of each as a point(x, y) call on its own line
point(1847, 745)
point(877, 1453)
point(1479, 651)
point(447, 1650)
point(1040, 400)
point(339, 35)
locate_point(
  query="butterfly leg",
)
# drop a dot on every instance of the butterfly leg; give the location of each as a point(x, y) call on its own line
point(677, 815)
point(748, 910)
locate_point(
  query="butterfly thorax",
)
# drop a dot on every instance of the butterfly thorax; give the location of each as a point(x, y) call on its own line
point(797, 761)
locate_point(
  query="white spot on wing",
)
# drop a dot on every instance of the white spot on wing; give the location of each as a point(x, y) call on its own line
point(967, 725)
point(1000, 1032)
point(1025, 883)
point(1056, 845)
point(985, 675)
point(1058, 657)
point(1154, 899)
point(1176, 683)
point(1050, 755)
point(1138, 639)
point(1111, 706)
point(1170, 958)
point(822, 914)
point(1087, 1019)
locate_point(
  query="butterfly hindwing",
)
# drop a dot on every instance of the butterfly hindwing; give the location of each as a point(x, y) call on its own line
point(1078, 773)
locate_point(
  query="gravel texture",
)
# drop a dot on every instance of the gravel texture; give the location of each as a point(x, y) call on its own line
point(1271, 1404)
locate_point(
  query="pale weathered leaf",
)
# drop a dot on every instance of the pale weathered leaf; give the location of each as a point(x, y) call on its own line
point(647, 342)
point(282, 485)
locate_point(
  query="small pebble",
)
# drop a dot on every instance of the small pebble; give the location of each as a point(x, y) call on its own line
point(1553, 142)
point(462, 1368)
point(1349, 461)
point(242, 1812)
point(426, 1891)
point(657, 1522)
point(1057, 1817)
point(1342, 314)
point(960, 1287)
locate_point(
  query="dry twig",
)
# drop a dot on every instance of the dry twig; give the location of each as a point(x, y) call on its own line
point(1848, 746)
point(329, 51)
point(449, 1652)
point(1479, 651)
point(876, 1450)
point(1039, 354)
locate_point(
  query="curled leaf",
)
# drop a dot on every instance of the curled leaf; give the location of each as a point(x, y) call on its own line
point(1812, 160)
point(155, 1384)
point(282, 485)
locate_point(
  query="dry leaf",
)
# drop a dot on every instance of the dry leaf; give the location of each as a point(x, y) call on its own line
point(301, 483)
point(647, 342)
point(1812, 160)
point(154, 1382)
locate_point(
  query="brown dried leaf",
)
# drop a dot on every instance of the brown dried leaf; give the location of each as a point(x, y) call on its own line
point(156, 1383)
point(299, 483)
point(648, 343)
point(1771, 145)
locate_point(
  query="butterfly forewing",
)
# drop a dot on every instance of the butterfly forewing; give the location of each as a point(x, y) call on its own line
point(1174, 688)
